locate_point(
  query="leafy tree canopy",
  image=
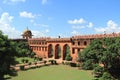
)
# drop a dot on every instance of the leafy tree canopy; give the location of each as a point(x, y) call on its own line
point(7, 53)
point(103, 51)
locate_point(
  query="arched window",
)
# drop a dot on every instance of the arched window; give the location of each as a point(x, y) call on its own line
point(73, 50)
point(78, 43)
point(78, 50)
point(85, 43)
point(73, 43)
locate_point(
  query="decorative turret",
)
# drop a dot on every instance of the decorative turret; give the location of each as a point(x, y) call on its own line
point(27, 34)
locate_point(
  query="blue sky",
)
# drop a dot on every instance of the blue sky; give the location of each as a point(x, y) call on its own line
point(51, 18)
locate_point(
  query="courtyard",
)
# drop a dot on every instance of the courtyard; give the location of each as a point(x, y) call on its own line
point(54, 72)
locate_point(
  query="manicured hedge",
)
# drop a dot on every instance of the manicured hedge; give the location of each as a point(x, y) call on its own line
point(53, 62)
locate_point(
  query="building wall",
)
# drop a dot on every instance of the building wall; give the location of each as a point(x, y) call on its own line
point(42, 46)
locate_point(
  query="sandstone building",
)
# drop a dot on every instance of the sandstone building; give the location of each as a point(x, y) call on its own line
point(47, 47)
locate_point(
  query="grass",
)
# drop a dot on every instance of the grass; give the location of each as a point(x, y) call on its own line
point(20, 59)
point(54, 72)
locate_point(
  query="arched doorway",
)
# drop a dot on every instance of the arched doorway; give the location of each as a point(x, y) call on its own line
point(50, 51)
point(66, 50)
point(57, 51)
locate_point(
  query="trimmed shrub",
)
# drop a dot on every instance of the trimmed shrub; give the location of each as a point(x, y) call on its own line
point(63, 63)
point(53, 62)
point(73, 64)
point(40, 59)
point(23, 60)
point(78, 65)
point(29, 63)
point(35, 63)
point(26, 61)
point(22, 67)
point(45, 62)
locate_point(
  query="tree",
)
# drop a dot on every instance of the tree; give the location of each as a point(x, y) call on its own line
point(92, 54)
point(23, 49)
point(7, 53)
point(106, 76)
point(103, 51)
point(79, 57)
point(59, 52)
point(68, 56)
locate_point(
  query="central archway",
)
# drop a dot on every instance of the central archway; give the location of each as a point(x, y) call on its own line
point(57, 51)
point(50, 51)
point(66, 50)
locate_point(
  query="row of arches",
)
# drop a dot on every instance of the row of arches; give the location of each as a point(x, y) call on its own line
point(57, 51)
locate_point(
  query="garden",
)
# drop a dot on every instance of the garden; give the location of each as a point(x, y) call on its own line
point(54, 72)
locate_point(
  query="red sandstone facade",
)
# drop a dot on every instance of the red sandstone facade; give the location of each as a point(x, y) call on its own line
point(48, 47)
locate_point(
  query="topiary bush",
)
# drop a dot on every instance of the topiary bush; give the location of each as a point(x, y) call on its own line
point(53, 62)
point(45, 62)
point(23, 60)
point(26, 61)
point(63, 63)
point(73, 64)
point(29, 63)
point(22, 67)
point(40, 59)
point(78, 65)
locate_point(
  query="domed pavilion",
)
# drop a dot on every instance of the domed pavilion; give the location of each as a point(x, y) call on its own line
point(27, 34)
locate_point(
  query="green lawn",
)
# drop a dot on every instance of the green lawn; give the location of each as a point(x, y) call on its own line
point(20, 59)
point(55, 72)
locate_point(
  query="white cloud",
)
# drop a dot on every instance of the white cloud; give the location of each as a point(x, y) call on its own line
point(90, 25)
point(37, 34)
point(6, 26)
point(75, 21)
point(13, 1)
point(74, 32)
point(44, 1)
point(26, 14)
point(6, 18)
point(17, 0)
point(111, 27)
point(40, 25)
point(47, 30)
point(78, 27)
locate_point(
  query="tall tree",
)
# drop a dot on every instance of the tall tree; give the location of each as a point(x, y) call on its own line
point(68, 56)
point(7, 53)
point(103, 51)
point(59, 51)
point(23, 49)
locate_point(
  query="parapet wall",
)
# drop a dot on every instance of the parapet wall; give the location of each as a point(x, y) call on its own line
point(97, 36)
